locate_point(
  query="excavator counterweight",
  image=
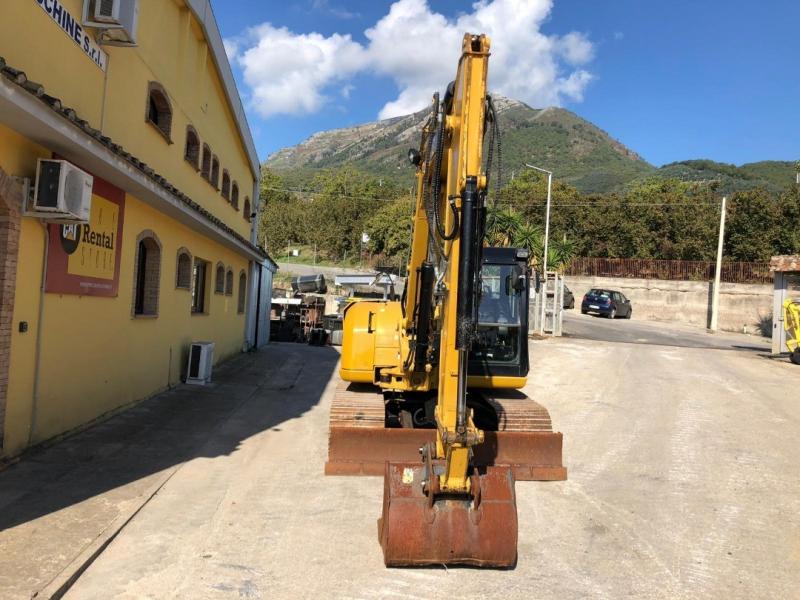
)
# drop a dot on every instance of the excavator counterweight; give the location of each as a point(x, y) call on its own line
point(430, 396)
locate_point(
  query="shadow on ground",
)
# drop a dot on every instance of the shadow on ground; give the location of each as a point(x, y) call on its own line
point(181, 424)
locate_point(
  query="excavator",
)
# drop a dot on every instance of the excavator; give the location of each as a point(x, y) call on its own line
point(431, 384)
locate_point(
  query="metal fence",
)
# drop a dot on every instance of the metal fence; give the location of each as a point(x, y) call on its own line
point(680, 270)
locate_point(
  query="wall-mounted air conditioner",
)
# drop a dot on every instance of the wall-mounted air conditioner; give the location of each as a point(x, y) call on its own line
point(62, 193)
point(117, 19)
point(201, 360)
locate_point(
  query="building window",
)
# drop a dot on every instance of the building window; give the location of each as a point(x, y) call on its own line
point(183, 270)
point(229, 283)
point(242, 292)
point(247, 211)
point(199, 276)
point(192, 152)
point(235, 196)
point(159, 109)
point(146, 274)
point(205, 170)
point(219, 279)
point(215, 172)
point(226, 185)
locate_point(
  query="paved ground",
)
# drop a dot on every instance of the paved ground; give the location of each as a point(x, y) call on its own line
point(683, 483)
point(592, 327)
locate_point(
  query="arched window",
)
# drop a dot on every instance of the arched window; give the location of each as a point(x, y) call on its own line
point(219, 279)
point(242, 292)
point(159, 109)
point(183, 270)
point(215, 172)
point(205, 171)
point(246, 211)
point(226, 184)
point(229, 283)
point(192, 151)
point(235, 196)
point(146, 274)
point(199, 278)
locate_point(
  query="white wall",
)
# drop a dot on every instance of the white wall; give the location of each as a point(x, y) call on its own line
point(740, 305)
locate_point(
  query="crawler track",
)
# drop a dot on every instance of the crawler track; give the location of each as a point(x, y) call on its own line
point(521, 437)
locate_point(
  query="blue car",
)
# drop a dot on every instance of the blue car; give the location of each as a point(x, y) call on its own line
point(608, 303)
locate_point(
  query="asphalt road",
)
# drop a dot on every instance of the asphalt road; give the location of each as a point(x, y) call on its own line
point(632, 331)
point(683, 483)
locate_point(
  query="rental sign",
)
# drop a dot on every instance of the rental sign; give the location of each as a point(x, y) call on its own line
point(84, 259)
point(72, 27)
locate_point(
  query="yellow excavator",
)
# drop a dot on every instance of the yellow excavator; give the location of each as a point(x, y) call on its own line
point(430, 396)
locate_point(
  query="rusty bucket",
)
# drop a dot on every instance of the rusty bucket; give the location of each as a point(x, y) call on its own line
point(478, 529)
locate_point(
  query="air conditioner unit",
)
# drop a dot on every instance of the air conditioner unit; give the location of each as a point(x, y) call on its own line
point(62, 193)
point(117, 19)
point(106, 11)
point(201, 360)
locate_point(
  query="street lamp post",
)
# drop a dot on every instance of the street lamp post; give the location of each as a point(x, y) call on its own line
point(543, 295)
point(547, 214)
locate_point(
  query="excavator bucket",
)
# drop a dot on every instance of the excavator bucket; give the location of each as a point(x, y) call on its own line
point(479, 529)
point(518, 435)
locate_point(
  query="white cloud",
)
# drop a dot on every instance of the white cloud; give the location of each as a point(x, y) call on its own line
point(231, 48)
point(576, 48)
point(418, 49)
point(288, 73)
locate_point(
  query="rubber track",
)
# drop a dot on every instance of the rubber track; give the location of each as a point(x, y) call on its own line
point(361, 405)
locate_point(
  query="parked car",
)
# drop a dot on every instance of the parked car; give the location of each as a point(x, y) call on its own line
point(608, 303)
point(569, 298)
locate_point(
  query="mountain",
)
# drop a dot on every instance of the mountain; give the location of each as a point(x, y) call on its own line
point(577, 151)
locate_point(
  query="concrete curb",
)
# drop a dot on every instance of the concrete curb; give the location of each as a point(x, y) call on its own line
point(62, 582)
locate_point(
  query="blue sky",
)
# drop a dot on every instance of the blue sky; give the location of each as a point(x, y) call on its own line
point(671, 79)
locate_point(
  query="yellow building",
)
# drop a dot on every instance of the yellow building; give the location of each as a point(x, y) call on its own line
point(97, 312)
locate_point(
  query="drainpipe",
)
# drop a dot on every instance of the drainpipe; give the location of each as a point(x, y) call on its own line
point(258, 305)
point(39, 329)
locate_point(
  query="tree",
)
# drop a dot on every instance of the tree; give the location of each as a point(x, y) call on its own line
point(753, 226)
point(501, 225)
point(389, 231)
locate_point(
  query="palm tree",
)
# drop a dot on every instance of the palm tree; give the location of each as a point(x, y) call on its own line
point(501, 225)
point(560, 254)
point(530, 237)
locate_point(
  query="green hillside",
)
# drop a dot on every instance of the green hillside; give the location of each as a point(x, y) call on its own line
point(577, 151)
point(773, 176)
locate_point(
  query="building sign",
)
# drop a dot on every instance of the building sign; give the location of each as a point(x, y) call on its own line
point(73, 28)
point(84, 259)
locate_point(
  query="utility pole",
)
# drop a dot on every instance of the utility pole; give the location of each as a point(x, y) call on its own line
point(718, 271)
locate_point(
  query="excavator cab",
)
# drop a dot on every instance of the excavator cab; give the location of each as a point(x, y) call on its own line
point(499, 354)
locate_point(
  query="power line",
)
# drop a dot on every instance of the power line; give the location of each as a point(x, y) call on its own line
point(401, 196)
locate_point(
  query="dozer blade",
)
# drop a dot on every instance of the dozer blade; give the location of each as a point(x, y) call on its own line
point(478, 530)
point(522, 439)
